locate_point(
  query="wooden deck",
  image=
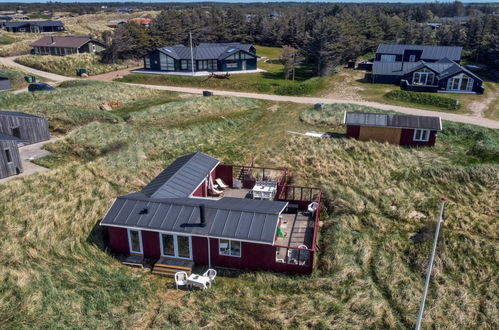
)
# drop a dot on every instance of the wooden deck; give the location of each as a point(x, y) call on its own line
point(298, 230)
point(170, 266)
point(237, 193)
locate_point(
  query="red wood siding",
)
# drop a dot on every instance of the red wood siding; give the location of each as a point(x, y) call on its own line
point(407, 135)
point(353, 131)
point(201, 191)
point(118, 240)
point(150, 244)
point(200, 250)
point(225, 173)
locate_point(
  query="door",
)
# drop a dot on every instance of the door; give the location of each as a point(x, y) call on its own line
point(175, 246)
point(16, 131)
point(244, 65)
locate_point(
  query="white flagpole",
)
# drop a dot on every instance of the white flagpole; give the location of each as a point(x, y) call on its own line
point(192, 54)
point(430, 266)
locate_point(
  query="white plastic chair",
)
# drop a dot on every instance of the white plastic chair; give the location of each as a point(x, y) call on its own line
point(180, 279)
point(211, 274)
point(312, 207)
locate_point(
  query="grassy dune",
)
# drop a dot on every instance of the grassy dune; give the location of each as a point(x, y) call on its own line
point(54, 272)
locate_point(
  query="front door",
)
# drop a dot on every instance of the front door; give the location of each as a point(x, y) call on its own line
point(175, 246)
point(244, 65)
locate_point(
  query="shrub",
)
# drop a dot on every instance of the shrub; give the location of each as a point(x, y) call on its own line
point(310, 86)
point(423, 98)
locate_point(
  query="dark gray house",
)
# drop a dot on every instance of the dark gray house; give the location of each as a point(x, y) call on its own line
point(33, 26)
point(23, 126)
point(212, 57)
point(4, 83)
point(424, 68)
point(10, 161)
point(52, 45)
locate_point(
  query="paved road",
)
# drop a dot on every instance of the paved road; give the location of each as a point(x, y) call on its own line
point(296, 99)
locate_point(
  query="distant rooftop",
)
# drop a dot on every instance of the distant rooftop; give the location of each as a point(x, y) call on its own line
point(205, 51)
point(392, 120)
point(429, 52)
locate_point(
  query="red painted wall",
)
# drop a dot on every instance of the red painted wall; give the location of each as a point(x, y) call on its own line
point(150, 244)
point(201, 191)
point(118, 240)
point(225, 173)
point(407, 135)
point(200, 250)
point(353, 131)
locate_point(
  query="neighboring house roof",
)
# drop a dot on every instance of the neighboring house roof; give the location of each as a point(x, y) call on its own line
point(182, 177)
point(37, 23)
point(69, 42)
point(428, 52)
point(16, 114)
point(444, 68)
point(392, 68)
point(206, 51)
point(228, 217)
point(7, 137)
point(391, 120)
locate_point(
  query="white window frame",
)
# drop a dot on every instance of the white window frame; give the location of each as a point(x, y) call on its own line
point(423, 73)
point(229, 248)
point(147, 62)
point(175, 246)
point(388, 58)
point(421, 135)
point(412, 58)
point(459, 78)
point(231, 64)
point(166, 63)
point(130, 241)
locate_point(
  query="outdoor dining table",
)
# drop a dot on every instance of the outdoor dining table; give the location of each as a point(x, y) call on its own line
point(198, 280)
point(263, 191)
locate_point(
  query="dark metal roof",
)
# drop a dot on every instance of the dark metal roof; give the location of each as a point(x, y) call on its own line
point(205, 51)
point(16, 114)
point(182, 177)
point(429, 52)
point(18, 24)
point(392, 68)
point(230, 218)
point(7, 137)
point(391, 120)
point(66, 41)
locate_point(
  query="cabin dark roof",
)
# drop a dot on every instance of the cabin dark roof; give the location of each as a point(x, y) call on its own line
point(392, 68)
point(182, 177)
point(205, 51)
point(444, 68)
point(429, 52)
point(391, 120)
point(18, 24)
point(69, 41)
point(16, 114)
point(7, 137)
point(230, 218)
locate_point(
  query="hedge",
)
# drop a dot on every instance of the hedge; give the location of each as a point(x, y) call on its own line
point(423, 98)
point(307, 87)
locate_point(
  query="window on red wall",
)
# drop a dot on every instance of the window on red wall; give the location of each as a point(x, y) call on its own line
point(229, 248)
point(422, 135)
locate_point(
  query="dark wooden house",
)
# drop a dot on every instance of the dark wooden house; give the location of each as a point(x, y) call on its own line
point(67, 45)
point(33, 26)
point(26, 127)
point(176, 220)
point(213, 57)
point(395, 129)
point(423, 68)
point(4, 83)
point(10, 161)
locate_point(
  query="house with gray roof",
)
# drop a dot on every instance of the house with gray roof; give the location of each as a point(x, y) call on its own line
point(177, 219)
point(211, 57)
point(33, 26)
point(66, 45)
point(424, 68)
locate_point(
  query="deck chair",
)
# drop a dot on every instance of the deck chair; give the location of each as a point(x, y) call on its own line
point(180, 279)
point(221, 183)
point(215, 192)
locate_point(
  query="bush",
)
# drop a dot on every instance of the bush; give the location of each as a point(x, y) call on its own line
point(308, 87)
point(423, 98)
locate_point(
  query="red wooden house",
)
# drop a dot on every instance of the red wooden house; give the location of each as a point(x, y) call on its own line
point(176, 220)
point(395, 129)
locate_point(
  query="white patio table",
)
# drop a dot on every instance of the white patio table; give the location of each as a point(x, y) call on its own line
point(263, 191)
point(198, 280)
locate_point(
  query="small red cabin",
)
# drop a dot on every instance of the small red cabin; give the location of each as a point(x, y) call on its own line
point(395, 129)
point(199, 211)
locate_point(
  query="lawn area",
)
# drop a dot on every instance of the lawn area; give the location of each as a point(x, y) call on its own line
point(13, 44)
point(54, 272)
point(351, 84)
point(67, 65)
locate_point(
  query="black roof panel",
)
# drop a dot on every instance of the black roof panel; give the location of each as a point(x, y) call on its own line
point(391, 120)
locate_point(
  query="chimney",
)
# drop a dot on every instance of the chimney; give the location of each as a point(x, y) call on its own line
point(202, 215)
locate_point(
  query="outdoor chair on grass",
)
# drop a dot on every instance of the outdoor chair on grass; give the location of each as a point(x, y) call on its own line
point(180, 279)
point(221, 183)
point(211, 274)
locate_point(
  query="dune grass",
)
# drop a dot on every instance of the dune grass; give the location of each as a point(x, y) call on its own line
point(67, 65)
point(16, 77)
point(55, 273)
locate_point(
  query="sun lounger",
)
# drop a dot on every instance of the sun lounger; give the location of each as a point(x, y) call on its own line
point(221, 183)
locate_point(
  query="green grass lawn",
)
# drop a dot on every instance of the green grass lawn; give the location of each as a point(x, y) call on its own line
point(54, 272)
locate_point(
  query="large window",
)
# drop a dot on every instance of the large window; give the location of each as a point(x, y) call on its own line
point(388, 58)
point(229, 248)
point(147, 62)
point(422, 135)
point(231, 64)
point(460, 82)
point(8, 155)
point(166, 62)
point(176, 246)
point(185, 65)
point(135, 241)
point(245, 56)
point(203, 65)
point(212, 65)
point(423, 77)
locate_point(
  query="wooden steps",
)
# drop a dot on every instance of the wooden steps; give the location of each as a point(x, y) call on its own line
point(134, 261)
point(168, 267)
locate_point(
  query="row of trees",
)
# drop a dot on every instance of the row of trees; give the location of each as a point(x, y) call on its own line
point(325, 34)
